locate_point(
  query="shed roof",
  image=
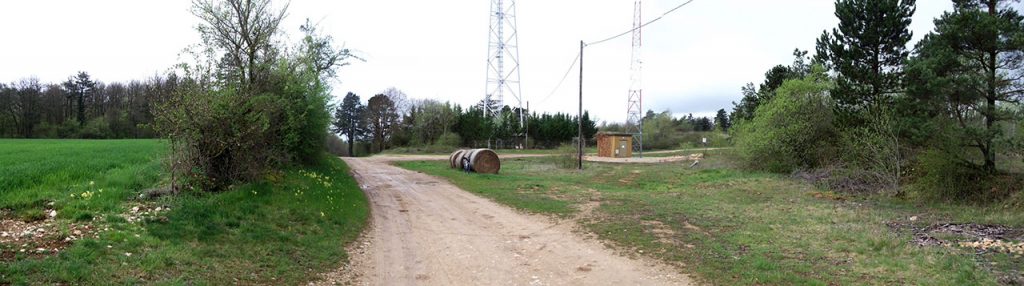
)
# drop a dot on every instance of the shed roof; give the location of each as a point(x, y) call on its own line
point(606, 133)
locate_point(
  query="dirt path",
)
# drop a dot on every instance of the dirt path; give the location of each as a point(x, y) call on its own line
point(426, 231)
point(644, 160)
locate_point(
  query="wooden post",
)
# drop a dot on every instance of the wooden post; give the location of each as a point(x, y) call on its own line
point(579, 116)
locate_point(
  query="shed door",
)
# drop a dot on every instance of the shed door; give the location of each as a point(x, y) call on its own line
point(621, 146)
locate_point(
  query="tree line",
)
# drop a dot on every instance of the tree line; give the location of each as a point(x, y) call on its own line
point(942, 118)
point(389, 119)
point(662, 130)
point(82, 107)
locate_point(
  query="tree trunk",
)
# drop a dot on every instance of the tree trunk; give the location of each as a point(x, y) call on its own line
point(351, 132)
point(81, 108)
point(990, 106)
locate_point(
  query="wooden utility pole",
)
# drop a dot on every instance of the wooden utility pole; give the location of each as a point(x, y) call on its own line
point(579, 116)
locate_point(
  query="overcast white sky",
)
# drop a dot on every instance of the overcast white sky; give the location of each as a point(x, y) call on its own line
point(695, 60)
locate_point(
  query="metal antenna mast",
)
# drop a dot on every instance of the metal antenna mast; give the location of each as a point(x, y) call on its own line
point(634, 107)
point(503, 45)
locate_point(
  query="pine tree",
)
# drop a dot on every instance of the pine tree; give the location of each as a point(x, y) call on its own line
point(349, 120)
point(78, 88)
point(867, 51)
point(722, 120)
point(967, 69)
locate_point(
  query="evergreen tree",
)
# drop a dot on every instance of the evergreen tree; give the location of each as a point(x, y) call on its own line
point(78, 88)
point(967, 69)
point(589, 126)
point(349, 120)
point(722, 120)
point(867, 51)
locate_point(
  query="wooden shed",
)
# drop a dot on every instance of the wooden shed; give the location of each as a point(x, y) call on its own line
point(614, 144)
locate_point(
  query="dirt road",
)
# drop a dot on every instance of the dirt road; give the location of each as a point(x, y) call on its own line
point(644, 160)
point(426, 231)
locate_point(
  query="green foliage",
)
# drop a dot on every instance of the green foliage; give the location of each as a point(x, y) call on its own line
point(948, 172)
point(550, 130)
point(335, 146)
point(944, 177)
point(716, 139)
point(793, 130)
point(277, 231)
point(38, 110)
point(867, 50)
point(662, 132)
point(474, 127)
point(433, 119)
point(381, 120)
point(80, 87)
point(350, 120)
point(449, 139)
point(873, 157)
point(96, 128)
point(224, 136)
point(774, 77)
point(303, 116)
point(722, 121)
point(744, 110)
point(259, 109)
point(965, 71)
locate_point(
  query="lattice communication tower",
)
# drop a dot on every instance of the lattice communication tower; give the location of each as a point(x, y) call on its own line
point(634, 105)
point(502, 59)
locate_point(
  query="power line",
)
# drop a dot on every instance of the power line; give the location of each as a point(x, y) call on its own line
point(575, 60)
point(569, 70)
point(641, 26)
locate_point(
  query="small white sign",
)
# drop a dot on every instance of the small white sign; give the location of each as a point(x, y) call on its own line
point(704, 140)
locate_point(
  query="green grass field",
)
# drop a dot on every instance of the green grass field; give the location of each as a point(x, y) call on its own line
point(732, 227)
point(282, 230)
point(36, 172)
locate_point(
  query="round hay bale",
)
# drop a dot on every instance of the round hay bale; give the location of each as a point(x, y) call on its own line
point(453, 159)
point(459, 163)
point(484, 161)
point(459, 160)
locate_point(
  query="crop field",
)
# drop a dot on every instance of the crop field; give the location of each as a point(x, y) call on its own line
point(71, 214)
point(728, 226)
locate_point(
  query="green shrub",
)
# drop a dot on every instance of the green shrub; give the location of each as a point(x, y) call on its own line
point(335, 146)
point(716, 139)
point(231, 120)
point(873, 156)
point(223, 136)
point(947, 170)
point(449, 139)
point(566, 157)
point(941, 176)
point(68, 129)
point(96, 128)
point(793, 130)
point(660, 132)
point(46, 130)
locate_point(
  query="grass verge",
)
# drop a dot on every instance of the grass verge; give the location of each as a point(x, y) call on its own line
point(281, 230)
point(731, 227)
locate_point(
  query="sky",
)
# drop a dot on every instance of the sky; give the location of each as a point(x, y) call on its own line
point(694, 60)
